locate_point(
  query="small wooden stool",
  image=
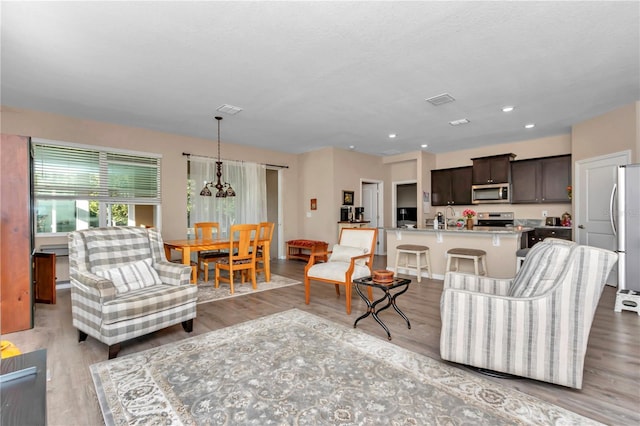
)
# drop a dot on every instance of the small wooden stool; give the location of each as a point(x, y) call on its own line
point(466, 253)
point(418, 251)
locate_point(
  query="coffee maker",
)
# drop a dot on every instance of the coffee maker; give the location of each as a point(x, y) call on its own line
point(344, 214)
point(359, 214)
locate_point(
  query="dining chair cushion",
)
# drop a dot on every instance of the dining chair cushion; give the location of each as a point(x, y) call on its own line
point(132, 276)
point(342, 253)
point(212, 255)
point(335, 271)
point(225, 261)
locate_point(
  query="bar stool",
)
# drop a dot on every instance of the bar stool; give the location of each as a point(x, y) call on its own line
point(520, 255)
point(416, 250)
point(470, 254)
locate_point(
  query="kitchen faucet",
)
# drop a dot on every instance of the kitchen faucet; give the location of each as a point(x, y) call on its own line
point(446, 219)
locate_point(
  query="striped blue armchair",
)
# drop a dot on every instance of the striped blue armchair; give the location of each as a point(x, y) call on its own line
point(123, 287)
point(535, 325)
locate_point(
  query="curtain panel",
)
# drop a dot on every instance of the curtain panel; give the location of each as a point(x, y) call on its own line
point(249, 180)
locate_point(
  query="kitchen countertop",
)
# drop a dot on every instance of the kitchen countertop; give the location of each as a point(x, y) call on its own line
point(553, 227)
point(475, 230)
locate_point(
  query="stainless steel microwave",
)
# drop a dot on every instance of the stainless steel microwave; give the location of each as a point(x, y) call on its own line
point(491, 193)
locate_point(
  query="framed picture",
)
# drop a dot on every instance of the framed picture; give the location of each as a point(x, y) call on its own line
point(314, 204)
point(347, 198)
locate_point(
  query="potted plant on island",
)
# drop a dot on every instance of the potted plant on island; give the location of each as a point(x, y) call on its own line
point(469, 215)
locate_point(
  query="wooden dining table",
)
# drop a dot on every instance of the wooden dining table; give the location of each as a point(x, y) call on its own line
point(195, 245)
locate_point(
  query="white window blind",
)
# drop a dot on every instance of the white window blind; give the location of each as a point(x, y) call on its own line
point(69, 172)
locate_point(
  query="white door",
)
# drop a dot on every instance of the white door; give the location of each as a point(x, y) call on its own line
point(371, 195)
point(595, 180)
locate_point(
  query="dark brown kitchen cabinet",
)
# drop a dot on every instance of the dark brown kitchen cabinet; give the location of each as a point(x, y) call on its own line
point(541, 180)
point(539, 234)
point(451, 186)
point(555, 178)
point(525, 182)
point(494, 169)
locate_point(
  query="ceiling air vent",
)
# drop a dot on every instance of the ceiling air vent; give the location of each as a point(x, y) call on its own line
point(229, 109)
point(445, 98)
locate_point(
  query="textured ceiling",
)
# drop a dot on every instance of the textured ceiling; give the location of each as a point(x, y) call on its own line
point(316, 74)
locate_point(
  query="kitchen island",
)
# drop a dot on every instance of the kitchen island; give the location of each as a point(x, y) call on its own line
point(500, 243)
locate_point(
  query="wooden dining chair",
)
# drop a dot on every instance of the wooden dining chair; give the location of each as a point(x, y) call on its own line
point(265, 235)
point(205, 231)
point(243, 246)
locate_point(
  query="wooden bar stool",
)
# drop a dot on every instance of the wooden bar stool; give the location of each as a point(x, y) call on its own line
point(520, 255)
point(417, 251)
point(470, 254)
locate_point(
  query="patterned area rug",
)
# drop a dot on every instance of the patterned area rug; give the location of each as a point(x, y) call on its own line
point(207, 293)
point(295, 368)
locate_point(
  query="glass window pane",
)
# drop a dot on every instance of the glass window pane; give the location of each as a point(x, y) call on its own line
point(65, 215)
point(118, 215)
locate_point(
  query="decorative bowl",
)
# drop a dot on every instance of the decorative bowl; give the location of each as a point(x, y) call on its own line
point(382, 276)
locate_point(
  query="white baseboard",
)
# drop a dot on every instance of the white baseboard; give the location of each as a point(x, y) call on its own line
point(62, 285)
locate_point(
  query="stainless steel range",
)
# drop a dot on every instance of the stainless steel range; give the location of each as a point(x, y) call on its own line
point(500, 219)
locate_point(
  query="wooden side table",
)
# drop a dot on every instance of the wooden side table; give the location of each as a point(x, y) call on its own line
point(400, 285)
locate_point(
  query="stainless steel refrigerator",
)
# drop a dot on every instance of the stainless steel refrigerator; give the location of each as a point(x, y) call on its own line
point(626, 226)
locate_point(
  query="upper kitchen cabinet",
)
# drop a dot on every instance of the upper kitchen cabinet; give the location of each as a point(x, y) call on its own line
point(541, 180)
point(451, 186)
point(494, 169)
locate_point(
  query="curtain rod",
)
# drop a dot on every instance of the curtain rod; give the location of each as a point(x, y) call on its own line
point(186, 154)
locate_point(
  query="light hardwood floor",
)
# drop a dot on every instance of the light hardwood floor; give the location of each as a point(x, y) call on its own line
point(610, 394)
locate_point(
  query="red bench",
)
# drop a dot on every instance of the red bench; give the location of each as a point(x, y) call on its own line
point(302, 249)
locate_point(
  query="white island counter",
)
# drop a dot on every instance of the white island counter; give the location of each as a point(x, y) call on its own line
point(500, 244)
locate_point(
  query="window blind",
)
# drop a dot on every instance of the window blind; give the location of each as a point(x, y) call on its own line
point(74, 173)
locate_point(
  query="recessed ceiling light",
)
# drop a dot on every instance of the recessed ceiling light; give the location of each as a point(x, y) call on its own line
point(529, 126)
point(392, 135)
point(508, 108)
point(424, 145)
point(352, 147)
point(458, 122)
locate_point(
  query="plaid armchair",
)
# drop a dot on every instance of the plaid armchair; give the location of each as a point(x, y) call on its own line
point(536, 325)
point(123, 287)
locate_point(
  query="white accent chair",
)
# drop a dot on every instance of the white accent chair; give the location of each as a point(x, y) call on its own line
point(350, 259)
point(535, 325)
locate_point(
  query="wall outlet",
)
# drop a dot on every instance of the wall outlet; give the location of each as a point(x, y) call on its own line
point(545, 213)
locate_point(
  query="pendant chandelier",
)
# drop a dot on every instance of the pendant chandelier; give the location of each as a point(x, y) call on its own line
point(223, 190)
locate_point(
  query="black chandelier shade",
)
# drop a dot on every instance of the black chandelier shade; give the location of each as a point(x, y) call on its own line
point(223, 189)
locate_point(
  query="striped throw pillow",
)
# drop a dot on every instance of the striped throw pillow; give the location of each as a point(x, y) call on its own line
point(132, 276)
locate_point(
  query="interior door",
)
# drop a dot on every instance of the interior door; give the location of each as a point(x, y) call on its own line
point(273, 214)
point(595, 180)
point(370, 202)
point(16, 308)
